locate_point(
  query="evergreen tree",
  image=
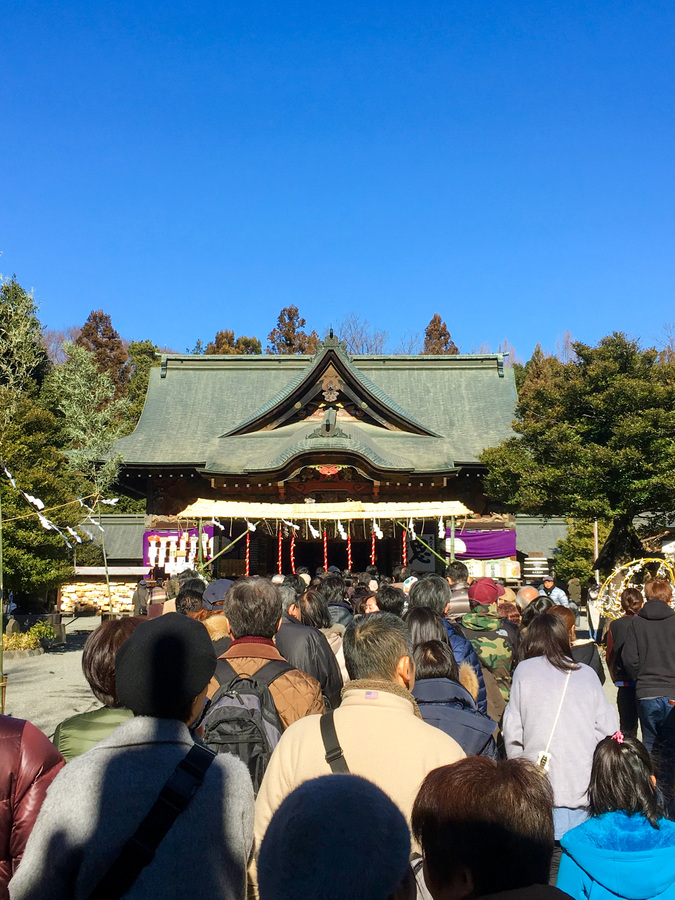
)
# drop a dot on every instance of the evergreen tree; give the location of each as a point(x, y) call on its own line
point(437, 338)
point(225, 343)
point(91, 415)
point(34, 559)
point(23, 359)
point(595, 437)
point(288, 336)
point(100, 338)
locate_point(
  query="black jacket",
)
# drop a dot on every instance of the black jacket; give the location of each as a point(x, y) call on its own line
point(587, 653)
point(307, 649)
point(649, 650)
point(616, 638)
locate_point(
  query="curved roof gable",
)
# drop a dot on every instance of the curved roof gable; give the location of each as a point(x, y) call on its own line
point(329, 376)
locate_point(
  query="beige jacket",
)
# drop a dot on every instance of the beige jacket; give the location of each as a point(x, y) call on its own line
point(383, 740)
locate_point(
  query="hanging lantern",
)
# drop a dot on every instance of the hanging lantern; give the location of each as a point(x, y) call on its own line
point(325, 549)
point(404, 548)
point(293, 552)
point(349, 551)
point(372, 548)
point(280, 539)
point(247, 570)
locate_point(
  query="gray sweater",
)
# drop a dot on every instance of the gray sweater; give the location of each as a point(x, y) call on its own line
point(98, 800)
point(585, 718)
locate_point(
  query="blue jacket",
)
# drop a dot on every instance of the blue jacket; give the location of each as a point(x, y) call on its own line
point(447, 705)
point(617, 855)
point(462, 650)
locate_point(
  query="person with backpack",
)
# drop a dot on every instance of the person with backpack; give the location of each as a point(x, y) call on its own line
point(255, 693)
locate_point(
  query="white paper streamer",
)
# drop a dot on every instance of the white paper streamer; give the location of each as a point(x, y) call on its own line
point(313, 530)
point(291, 524)
point(250, 525)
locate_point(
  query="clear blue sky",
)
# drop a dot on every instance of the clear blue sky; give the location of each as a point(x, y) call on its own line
point(195, 166)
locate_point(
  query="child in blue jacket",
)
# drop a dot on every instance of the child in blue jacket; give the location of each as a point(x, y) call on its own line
point(627, 848)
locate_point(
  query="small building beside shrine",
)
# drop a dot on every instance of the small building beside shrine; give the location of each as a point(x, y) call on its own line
point(323, 450)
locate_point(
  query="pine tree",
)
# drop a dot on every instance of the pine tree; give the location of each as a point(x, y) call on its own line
point(100, 338)
point(437, 338)
point(288, 336)
point(225, 343)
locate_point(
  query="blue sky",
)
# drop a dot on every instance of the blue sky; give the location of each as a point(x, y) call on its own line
point(190, 167)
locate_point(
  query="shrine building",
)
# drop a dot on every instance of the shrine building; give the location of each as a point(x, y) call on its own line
point(302, 460)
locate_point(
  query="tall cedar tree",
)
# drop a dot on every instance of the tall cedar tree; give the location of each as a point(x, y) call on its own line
point(288, 336)
point(225, 343)
point(100, 338)
point(596, 438)
point(437, 338)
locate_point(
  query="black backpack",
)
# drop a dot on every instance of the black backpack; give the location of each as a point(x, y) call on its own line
point(242, 718)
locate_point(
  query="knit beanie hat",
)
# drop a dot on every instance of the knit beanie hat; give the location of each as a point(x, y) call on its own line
point(339, 838)
point(164, 665)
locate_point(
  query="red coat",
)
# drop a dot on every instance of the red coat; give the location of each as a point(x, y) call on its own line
point(29, 762)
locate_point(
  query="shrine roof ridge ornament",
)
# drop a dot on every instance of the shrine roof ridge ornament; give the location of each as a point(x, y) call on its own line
point(331, 362)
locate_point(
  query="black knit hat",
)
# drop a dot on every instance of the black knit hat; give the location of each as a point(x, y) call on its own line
point(164, 665)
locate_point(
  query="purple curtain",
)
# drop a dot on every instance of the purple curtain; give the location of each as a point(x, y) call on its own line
point(486, 544)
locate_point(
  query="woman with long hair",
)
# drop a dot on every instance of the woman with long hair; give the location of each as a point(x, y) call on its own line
point(556, 715)
point(314, 611)
point(626, 848)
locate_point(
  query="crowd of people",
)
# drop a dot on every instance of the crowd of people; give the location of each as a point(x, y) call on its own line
point(344, 736)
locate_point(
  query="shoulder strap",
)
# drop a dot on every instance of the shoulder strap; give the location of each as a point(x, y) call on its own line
point(271, 671)
point(334, 755)
point(140, 849)
point(225, 673)
point(557, 715)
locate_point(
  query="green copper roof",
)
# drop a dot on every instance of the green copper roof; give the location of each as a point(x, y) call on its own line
point(194, 403)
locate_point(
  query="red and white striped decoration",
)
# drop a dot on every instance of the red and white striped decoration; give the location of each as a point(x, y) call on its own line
point(280, 539)
point(349, 551)
point(293, 552)
point(325, 549)
point(372, 548)
point(404, 548)
point(247, 569)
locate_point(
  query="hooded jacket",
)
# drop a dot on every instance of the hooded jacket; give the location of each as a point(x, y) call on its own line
point(462, 650)
point(449, 706)
point(617, 855)
point(308, 650)
point(495, 641)
point(649, 650)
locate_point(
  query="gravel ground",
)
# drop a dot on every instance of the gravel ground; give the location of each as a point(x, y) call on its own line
point(46, 689)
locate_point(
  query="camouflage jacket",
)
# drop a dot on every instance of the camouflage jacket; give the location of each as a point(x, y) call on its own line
point(493, 642)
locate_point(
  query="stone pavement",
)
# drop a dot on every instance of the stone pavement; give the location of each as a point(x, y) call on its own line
point(46, 689)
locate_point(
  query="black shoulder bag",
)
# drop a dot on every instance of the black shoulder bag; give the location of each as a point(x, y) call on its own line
point(334, 755)
point(140, 849)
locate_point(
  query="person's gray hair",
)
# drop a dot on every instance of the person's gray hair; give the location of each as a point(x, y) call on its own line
point(525, 596)
point(288, 596)
point(374, 644)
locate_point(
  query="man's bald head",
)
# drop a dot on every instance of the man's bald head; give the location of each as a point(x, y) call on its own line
point(525, 596)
